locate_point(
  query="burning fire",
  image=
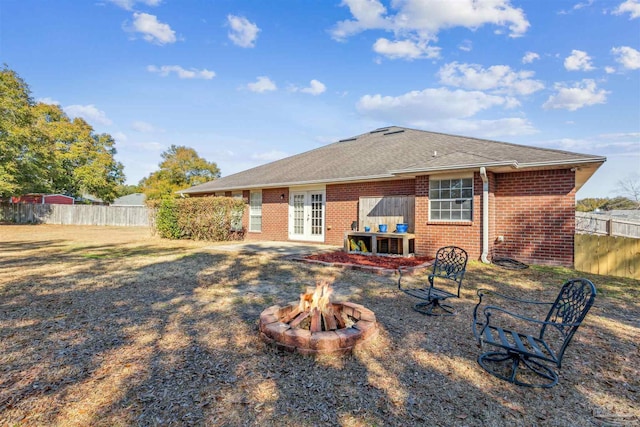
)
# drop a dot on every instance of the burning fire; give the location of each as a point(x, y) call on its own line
point(318, 298)
point(316, 305)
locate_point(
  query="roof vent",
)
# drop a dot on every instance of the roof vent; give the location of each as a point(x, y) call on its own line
point(379, 130)
point(394, 132)
point(348, 139)
point(435, 154)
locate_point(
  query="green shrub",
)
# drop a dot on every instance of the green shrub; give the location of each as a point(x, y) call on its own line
point(166, 222)
point(200, 218)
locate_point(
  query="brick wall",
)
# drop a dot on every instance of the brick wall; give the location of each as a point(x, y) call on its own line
point(275, 215)
point(342, 203)
point(431, 235)
point(535, 212)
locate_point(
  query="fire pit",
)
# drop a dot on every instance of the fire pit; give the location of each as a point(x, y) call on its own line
point(315, 325)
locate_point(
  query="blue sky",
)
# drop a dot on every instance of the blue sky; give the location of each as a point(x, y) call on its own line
point(248, 82)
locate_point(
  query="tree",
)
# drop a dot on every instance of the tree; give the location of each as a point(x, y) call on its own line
point(42, 150)
point(180, 168)
point(590, 204)
point(630, 187)
point(619, 203)
point(15, 120)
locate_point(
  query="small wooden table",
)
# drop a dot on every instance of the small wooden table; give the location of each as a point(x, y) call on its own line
point(373, 239)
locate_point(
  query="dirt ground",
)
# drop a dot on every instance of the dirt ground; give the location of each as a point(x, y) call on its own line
point(114, 327)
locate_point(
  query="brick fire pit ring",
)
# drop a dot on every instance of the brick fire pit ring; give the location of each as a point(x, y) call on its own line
point(303, 341)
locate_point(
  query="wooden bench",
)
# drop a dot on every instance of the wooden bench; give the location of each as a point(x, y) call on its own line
point(382, 243)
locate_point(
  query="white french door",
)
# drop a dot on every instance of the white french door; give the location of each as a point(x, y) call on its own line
point(306, 215)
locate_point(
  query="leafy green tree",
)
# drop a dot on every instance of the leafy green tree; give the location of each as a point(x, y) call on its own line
point(590, 204)
point(604, 204)
point(181, 167)
point(126, 189)
point(15, 139)
point(619, 203)
point(42, 150)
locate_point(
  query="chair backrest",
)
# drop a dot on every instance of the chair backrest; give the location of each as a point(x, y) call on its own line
point(569, 309)
point(450, 263)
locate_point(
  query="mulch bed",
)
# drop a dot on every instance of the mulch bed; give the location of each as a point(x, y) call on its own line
point(386, 262)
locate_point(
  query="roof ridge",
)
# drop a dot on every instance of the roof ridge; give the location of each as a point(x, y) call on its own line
point(498, 142)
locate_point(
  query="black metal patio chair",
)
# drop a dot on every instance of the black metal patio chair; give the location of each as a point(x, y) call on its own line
point(449, 266)
point(525, 359)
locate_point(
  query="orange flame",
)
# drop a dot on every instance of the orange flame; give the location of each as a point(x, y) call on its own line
point(317, 298)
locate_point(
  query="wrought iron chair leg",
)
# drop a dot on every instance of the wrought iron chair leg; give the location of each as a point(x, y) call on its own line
point(424, 307)
point(428, 308)
point(517, 361)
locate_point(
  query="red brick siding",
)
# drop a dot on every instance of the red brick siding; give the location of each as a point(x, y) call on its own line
point(431, 235)
point(535, 212)
point(342, 203)
point(275, 215)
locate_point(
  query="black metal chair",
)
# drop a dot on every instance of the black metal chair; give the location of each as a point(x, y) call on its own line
point(522, 358)
point(450, 264)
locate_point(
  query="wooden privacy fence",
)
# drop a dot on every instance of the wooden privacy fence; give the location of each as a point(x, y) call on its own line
point(604, 225)
point(607, 255)
point(27, 213)
point(390, 210)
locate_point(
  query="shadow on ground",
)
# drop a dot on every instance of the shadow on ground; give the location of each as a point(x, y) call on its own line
point(149, 335)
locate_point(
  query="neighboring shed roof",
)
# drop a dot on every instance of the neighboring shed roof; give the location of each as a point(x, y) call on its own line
point(395, 152)
point(135, 199)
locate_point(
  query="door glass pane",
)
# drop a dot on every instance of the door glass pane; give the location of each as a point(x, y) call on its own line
point(316, 214)
point(298, 214)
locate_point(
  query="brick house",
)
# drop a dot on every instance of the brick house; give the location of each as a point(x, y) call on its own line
point(493, 199)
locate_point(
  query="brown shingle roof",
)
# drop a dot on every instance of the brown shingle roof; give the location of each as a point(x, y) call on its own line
point(389, 152)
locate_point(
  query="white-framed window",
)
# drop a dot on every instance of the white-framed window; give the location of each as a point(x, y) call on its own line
point(255, 211)
point(451, 199)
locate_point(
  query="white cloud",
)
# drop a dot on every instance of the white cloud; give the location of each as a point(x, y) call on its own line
point(243, 33)
point(466, 46)
point(269, 156)
point(129, 4)
point(627, 56)
point(579, 6)
point(405, 49)
point(47, 100)
point(429, 17)
point(120, 137)
point(263, 84)
point(529, 57)
point(315, 88)
point(153, 30)
point(140, 126)
point(434, 104)
point(507, 127)
point(578, 61)
point(182, 73)
point(581, 95)
point(416, 23)
point(630, 6)
point(497, 78)
point(88, 112)
point(609, 70)
point(622, 142)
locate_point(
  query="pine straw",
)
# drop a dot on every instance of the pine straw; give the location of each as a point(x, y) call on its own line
point(109, 326)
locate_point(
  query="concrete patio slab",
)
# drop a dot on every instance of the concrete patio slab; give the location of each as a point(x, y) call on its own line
point(283, 249)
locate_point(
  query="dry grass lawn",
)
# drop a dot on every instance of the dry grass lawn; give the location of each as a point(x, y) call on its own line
point(111, 326)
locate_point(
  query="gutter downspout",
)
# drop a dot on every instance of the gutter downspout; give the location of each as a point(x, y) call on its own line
point(485, 216)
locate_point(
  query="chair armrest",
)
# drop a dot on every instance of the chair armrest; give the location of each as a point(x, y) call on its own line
point(487, 312)
point(482, 292)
